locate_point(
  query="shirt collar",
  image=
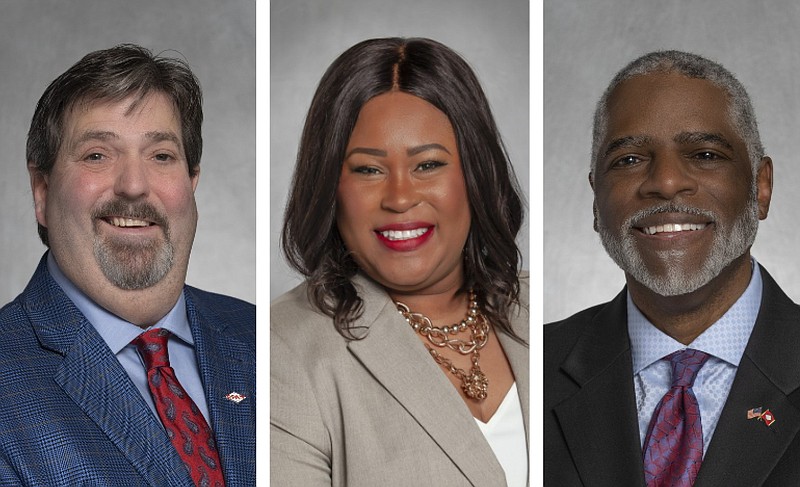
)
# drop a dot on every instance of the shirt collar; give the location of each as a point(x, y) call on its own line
point(726, 339)
point(116, 332)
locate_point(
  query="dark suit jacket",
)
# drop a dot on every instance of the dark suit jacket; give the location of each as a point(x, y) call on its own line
point(71, 416)
point(591, 429)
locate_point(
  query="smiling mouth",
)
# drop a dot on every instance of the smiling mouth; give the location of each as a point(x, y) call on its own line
point(673, 228)
point(400, 235)
point(123, 222)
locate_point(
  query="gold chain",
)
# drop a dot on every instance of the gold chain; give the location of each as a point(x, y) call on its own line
point(474, 383)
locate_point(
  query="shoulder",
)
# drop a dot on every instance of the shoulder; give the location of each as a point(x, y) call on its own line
point(37, 298)
point(41, 304)
point(220, 302)
point(11, 315)
point(773, 295)
point(294, 310)
point(19, 337)
point(238, 316)
point(300, 328)
point(576, 321)
point(295, 304)
point(561, 336)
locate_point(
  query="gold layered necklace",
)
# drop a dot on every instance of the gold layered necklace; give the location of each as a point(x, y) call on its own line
point(473, 382)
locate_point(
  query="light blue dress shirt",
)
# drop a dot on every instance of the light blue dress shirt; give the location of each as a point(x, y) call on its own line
point(724, 341)
point(118, 334)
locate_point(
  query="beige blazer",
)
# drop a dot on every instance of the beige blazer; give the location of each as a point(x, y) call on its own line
point(376, 411)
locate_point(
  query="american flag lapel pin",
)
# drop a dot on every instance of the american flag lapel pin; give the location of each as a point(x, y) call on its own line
point(758, 413)
point(235, 397)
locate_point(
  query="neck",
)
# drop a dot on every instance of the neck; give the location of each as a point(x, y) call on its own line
point(442, 308)
point(686, 316)
point(141, 307)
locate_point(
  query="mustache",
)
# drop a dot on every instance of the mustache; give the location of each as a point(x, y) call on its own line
point(140, 210)
point(667, 207)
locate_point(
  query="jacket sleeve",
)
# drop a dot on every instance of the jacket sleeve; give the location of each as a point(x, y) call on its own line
point(300, 444)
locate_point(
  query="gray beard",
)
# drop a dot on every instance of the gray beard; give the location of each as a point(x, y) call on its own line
point(728, 245)
point(132, 266)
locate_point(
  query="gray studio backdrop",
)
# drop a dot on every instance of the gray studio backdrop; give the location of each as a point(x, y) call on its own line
point(585, 44)
point(41, 39)
point(307, 35)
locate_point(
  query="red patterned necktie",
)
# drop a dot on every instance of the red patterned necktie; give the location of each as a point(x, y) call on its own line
point(185, 425)
point(674, 442)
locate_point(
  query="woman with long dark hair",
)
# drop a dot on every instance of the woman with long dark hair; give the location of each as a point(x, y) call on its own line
point(403, 357)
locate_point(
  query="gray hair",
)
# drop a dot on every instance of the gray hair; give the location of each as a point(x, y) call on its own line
point(691, 66)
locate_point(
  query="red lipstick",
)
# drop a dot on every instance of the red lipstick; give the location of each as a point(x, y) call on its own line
point(406, 236)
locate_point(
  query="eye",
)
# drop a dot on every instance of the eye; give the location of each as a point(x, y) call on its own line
point(627, 160)
point(163, 157)
point(430, 165)
point(706, 155)
point(95, 157)
point(367, 170)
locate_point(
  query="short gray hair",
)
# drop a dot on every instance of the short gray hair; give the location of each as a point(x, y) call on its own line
point(691, 66)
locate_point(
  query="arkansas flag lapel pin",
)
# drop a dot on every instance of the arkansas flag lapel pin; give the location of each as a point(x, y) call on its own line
point(766, 416)
point(236, 397)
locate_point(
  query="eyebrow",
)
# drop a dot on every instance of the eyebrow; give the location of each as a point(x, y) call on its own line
point(411, 152)
point(95, 135)
point(703, 137)
point(367, 151)
point(426, 147)
point(158, 136)
point(155, 136)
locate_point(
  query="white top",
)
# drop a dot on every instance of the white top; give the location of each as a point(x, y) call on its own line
point(505, 433)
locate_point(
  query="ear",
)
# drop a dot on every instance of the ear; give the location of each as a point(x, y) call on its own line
point(764, 185)
point(40, 183)
point(195, 178)
point(594, 202)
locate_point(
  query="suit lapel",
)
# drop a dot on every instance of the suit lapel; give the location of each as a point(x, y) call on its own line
point(745, 451)
point(599, 421)
point(226, 365)
point(93, 378)
point(396, 358)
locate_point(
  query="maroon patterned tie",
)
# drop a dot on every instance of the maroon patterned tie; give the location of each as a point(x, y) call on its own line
point(674, 442)
point(185, 425)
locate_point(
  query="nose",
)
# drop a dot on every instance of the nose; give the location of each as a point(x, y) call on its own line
point(132, 179)
point(400, 194)
point(667, 177)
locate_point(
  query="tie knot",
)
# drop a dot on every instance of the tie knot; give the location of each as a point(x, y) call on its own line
point(152, 347)
point(685, 365)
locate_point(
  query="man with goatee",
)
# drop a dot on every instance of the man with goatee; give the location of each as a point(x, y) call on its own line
point(690, 375)
point(112, 370)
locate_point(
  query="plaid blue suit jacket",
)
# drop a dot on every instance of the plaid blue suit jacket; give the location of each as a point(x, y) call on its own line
point(70, 415)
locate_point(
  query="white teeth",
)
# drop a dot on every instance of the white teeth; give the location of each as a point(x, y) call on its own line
point(404, 234)
point(673, 227)
point(127, 222)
